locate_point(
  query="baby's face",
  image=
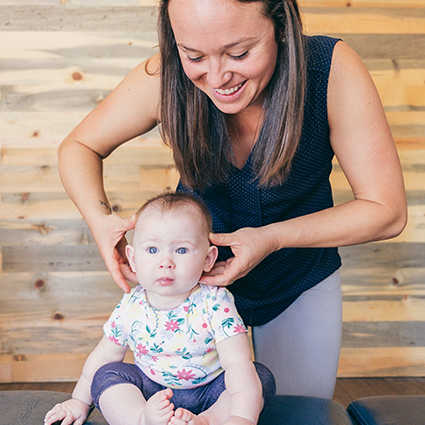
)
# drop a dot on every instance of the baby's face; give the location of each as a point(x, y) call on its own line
point(169, 254)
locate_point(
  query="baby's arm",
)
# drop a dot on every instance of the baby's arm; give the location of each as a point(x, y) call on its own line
point(242, 381)
point(77, 409)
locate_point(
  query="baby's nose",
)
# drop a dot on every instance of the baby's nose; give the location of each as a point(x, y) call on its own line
point(166, 263)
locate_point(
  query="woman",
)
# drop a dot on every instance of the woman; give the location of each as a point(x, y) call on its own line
point(254, 112)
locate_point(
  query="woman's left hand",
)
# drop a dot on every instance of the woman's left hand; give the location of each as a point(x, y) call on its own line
point(249, 246)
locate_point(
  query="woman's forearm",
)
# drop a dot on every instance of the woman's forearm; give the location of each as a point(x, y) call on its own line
point(81, 172)
point(354, 222)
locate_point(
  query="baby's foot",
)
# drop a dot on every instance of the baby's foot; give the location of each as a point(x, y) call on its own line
point(184, 417)
point(159, 409)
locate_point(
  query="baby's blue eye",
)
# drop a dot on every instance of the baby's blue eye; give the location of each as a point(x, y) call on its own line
point(152, 250)
point(181, 250)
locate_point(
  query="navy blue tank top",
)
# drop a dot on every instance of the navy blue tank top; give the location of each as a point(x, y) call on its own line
point(283, 276)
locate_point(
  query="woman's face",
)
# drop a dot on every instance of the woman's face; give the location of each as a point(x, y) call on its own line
point(227, 48)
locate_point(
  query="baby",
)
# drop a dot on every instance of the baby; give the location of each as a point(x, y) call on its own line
point(192, 358)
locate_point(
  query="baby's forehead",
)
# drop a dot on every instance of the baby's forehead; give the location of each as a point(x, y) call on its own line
point(158, 211)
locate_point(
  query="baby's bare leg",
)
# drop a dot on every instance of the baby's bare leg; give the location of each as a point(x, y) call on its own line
point(124, 404)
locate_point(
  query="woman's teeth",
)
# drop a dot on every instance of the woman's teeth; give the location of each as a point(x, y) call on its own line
point(229, 91)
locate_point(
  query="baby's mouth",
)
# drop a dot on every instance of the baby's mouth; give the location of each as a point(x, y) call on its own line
point(229, 91)
point(165, 281)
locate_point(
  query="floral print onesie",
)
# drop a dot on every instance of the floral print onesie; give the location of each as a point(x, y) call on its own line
point(176, 348)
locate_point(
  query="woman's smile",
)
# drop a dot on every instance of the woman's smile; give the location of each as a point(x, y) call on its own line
point(229, 91)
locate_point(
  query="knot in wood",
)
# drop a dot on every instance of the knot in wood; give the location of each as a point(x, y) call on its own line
point(19, 358)
point(39, 284)
point(43, 229)
point(77, 76)
point(58, 316)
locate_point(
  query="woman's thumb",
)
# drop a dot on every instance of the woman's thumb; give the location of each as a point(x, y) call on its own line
point(131, 222)
point(221, 239)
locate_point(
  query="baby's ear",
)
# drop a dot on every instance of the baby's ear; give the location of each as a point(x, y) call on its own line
point(129, 251)
point(210, 258)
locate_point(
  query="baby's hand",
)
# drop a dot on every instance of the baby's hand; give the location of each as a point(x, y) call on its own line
point(237, 420)
point(70, 411)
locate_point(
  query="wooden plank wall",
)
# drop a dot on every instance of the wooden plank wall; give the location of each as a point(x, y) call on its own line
point(58, 60)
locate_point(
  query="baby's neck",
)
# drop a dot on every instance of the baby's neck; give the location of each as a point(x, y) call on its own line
point(160, 302)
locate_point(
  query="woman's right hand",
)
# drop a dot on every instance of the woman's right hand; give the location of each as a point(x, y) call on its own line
point(109, 233)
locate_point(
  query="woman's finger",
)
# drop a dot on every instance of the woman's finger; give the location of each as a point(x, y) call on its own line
point(114, 268)
point(229, 273)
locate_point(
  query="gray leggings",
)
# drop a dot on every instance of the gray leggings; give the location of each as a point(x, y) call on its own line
point(301, 346)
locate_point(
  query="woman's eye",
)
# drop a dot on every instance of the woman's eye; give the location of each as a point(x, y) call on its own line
point(152, 250)
point(238, 58)
point(194, 60)
point(181, 250)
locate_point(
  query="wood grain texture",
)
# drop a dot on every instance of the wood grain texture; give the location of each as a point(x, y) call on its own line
point(58, 60)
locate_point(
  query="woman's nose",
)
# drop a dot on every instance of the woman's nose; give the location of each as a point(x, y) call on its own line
point(218, 76)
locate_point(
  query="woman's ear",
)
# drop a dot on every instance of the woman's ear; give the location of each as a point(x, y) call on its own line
point(129, 251)
point(210, 258)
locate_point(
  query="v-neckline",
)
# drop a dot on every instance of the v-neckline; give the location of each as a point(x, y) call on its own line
point(248, 161)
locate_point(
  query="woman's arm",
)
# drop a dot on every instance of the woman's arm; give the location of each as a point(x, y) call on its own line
point(130, 110)
point(78, 407)
point(362, 142)
point(242, 381)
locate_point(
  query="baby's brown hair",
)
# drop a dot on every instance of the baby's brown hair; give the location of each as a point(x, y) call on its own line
point(168, 201)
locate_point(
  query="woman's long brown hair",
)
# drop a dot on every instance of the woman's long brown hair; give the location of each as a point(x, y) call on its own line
point(196, 130)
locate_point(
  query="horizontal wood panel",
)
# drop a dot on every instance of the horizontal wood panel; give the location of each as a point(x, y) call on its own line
point(123, 156)
point(44, 367)
point(39, 124)
point(38, 286)
point(71, 3)
point(46, 232)
point(391, 281)
point(394, 255)
point(383, 334)
point(52, 258)
point(328, 20)
point(361, 3)
point(57, 18)
point(46, 178)
point(382, 361)
point(145, 150)
point(405, 309)
point(48, 206)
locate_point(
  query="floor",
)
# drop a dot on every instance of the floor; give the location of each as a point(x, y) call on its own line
point(347, 389)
